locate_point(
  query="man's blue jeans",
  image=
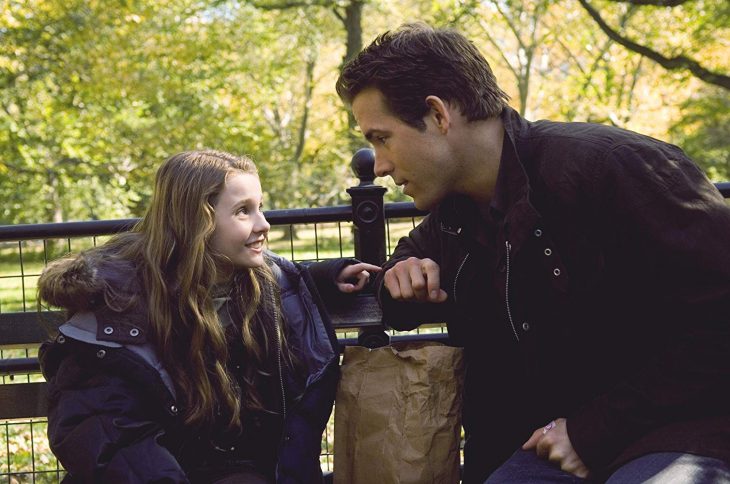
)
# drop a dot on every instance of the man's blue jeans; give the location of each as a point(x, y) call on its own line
point(525, 467)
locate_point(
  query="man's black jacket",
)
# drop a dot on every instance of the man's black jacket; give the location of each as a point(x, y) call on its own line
point(603, 296)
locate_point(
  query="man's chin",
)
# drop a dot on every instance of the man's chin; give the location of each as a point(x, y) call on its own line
point(422, 204)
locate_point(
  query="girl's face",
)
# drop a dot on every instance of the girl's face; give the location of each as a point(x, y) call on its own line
point(240, 226)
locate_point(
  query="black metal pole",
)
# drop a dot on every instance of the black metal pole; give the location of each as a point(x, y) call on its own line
point(367, 210)
point(368, 216)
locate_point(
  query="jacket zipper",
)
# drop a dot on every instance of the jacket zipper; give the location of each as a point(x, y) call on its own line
point(506, 292)
point(457, 275)
point(277, 327)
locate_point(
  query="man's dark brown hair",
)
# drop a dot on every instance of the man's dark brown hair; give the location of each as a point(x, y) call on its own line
point(417, 61)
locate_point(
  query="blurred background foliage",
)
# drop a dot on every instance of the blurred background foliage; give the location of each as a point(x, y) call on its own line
point(94, 94)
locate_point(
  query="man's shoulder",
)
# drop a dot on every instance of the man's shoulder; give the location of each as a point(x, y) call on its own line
point(582, 135)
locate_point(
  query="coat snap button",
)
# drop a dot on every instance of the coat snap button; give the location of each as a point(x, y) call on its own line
point(526, 326)
point(173, 409)
point(556, 272)
point(100, 354)
point(538, 233)
point(134, 332)
point(548, 252)
point(108, 330)
point(60, 339)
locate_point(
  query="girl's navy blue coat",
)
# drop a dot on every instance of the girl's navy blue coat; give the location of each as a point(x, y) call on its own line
point(113, 414)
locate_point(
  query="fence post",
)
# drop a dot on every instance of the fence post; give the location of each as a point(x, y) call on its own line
point(367, 209)
point(368, 216)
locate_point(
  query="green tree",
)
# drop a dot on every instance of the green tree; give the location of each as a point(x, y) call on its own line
point(703, 131)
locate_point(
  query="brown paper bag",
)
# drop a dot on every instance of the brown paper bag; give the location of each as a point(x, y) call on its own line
point(398, 414)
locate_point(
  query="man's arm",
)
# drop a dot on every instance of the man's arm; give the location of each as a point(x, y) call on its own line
point(409, 286)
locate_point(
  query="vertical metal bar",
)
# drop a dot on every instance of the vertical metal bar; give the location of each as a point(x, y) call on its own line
point(22, 273)
point(7, 447)
point(291, 240)
point(32, 450)
point(339, 233)
point(316, 242)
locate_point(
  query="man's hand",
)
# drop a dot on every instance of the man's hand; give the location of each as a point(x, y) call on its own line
point(353, 277)
point(415, 279)
point(552, 443)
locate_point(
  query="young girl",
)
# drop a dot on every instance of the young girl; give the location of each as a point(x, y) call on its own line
point(192, 353)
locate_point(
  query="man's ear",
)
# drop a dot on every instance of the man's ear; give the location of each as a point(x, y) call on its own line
point(440, 111)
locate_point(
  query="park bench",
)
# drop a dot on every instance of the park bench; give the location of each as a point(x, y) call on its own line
point(360, 315)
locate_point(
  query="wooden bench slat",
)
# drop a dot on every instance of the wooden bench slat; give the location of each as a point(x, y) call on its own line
point(30, 328)
point(356, 312)
point(23, 400)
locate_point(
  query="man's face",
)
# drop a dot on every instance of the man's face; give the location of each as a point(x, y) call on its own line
point(419, 161)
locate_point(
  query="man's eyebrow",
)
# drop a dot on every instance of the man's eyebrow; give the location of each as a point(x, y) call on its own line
point(370, 134)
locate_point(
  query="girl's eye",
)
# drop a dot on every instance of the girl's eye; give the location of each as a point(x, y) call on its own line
point(243, 210)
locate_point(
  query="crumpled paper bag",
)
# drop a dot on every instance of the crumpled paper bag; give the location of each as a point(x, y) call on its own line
point(398, 414)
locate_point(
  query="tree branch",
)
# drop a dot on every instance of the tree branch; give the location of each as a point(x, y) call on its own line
point(492, 41)
point(669, 63)
point(308, 89)
point(339, 15)
point(281, 5)
point(657, 3)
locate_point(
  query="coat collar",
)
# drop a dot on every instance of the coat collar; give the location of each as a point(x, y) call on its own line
point(511, 208)
point(130, 325)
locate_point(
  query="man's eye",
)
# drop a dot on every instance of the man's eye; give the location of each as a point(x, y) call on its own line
point(381, 139)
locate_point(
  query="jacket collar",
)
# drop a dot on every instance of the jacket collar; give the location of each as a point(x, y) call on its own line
point(131, 325)
point(510, 208)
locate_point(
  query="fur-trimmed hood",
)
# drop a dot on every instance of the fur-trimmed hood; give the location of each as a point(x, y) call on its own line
point(84, 282)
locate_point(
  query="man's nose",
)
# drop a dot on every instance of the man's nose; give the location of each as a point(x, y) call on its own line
point(382, 167)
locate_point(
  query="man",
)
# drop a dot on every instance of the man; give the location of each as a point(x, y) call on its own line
point(585, 269)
